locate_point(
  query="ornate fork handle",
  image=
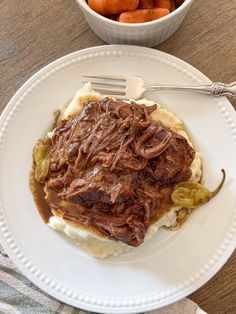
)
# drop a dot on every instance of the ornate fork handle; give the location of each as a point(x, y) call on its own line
point(216, 89)
point(221, 89)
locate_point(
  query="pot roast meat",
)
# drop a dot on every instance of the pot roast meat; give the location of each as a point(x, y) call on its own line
point(109, 166)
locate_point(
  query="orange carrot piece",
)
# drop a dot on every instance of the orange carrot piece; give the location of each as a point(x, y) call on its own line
point(110, 7)
point(145, 4)
point(143, 15)
point(162, 4)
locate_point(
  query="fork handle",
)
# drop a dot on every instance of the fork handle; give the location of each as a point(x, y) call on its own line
point(215, 89)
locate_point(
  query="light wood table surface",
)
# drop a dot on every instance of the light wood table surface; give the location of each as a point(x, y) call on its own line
point(34, 33)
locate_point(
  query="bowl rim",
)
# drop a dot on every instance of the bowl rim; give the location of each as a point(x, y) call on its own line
point(86, 7)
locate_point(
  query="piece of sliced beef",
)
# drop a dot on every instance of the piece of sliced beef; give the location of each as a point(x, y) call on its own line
point(109, 166)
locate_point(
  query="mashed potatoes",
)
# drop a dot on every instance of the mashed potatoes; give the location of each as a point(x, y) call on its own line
point(102, 247)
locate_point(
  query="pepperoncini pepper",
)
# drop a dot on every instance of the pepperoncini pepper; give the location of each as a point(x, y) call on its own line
point(191, 195)
point(41, 153)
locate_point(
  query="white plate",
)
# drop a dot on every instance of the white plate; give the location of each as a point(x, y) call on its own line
point(172, 264)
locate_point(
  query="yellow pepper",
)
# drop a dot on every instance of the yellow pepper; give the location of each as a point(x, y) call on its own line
point(191, 195)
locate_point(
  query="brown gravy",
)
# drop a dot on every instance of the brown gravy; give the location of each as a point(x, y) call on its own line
point(37, 190)
point(165, 205)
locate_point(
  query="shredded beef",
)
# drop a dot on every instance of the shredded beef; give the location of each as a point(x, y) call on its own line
point(110, 165)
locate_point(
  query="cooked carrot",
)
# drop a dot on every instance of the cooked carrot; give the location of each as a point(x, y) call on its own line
point(109, 7)
point(145, 4)
point(143, 15)
point(172, 5)
point(162, 4)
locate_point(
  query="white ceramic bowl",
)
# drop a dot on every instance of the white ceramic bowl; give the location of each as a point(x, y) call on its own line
point(147, 34)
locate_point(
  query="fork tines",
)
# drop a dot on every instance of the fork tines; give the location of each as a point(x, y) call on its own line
point(107, 84)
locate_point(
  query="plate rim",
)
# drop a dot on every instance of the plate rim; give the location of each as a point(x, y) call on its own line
point(30, 270)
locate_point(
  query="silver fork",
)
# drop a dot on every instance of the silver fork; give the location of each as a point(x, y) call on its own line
point(133, 87)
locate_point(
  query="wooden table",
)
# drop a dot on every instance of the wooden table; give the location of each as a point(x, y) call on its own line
point(34, 33)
